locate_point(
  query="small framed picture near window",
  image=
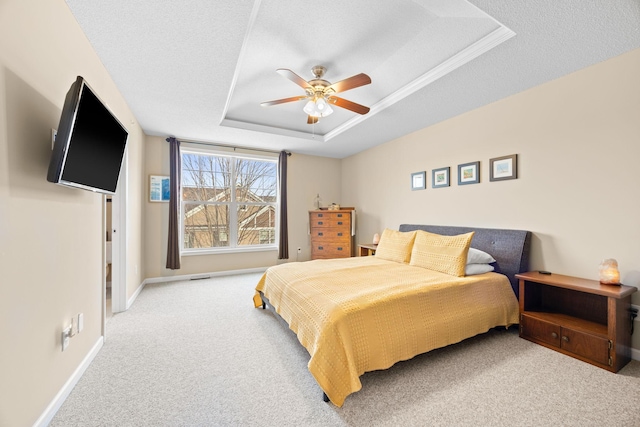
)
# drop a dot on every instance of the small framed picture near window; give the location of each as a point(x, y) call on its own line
point(505, 167)
point(440, 177)
point(469, 173)
point(419, 181)
point(159, 188)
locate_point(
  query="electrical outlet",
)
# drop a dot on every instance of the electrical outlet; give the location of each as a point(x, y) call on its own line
point(54, 133)
point(80, 322)
point(66, 335)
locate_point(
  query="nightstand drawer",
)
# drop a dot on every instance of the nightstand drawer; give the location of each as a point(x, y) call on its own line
point(539, 330)
point(589, 346)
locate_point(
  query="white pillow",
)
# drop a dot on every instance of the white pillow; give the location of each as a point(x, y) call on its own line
point(473, 269)
point(476, 256)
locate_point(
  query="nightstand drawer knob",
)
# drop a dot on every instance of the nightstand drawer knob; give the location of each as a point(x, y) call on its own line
point(554, 335)
point(565, 338)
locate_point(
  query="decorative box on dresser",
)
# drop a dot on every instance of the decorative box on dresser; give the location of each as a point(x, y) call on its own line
point(581, 318)
point(332, 235)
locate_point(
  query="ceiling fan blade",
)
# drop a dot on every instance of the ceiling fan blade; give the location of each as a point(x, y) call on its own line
point(343, 103)
point(350, 83)
point(311, 120)
point(283, 100)
point(285, 72)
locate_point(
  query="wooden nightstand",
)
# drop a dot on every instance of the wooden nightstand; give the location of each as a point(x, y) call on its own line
point(581, 318)
point(367, 249)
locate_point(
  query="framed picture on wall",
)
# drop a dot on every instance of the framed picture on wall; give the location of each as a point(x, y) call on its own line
point(418, 181)
point(469, 173)
point(159, 188)
point(502, 168)
point(440, 177)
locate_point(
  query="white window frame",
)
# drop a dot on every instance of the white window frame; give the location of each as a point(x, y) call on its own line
point(202, 149)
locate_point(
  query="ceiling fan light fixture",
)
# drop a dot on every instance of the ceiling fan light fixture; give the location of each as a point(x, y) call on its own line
point(319, 107)
point(327, 110)
point(310, 109)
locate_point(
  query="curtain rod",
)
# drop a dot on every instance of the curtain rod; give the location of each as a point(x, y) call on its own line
point(231, 146)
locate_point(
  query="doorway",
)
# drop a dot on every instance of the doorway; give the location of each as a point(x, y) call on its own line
point(115, 232)
point(108, 254)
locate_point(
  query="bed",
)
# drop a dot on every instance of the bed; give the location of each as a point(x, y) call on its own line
point(355, 315)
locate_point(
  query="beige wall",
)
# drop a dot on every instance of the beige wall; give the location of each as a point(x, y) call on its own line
point(577, 140)
point(307, 176)
point(51, 237)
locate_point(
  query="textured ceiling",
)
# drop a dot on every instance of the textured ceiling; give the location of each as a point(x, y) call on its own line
point(198, 70)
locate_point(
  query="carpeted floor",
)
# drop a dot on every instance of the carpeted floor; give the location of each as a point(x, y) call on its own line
point(197, 353)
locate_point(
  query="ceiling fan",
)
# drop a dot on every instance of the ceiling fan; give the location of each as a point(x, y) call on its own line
point(320, 93)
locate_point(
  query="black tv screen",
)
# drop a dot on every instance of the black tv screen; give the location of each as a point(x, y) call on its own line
point(89, 145)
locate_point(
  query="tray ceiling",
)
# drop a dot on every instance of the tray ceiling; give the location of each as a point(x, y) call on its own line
point(415, 43)
point(198, 70)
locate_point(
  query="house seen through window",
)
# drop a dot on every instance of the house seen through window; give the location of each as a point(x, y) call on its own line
point(228, 202)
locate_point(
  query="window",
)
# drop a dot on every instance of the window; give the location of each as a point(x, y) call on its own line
point(228, 202)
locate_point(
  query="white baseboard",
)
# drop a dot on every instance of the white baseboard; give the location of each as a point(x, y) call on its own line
point(135, 294)
point(62, 395)
point(191, 277)
point(205, 275)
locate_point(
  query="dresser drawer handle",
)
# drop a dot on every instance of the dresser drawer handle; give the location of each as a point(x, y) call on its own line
point(339, 222)
point(339, 249)
point(320, 234)
point(565, 338)
point(554, 335)
point(339, 234)
point(320, 248)
point(320, 215)
point(319, 222)
point(339, 215)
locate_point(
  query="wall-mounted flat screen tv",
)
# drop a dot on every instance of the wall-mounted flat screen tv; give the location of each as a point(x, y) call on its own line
point(90, 143)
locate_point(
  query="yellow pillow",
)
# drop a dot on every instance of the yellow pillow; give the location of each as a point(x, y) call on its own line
point(395, 245)
point(446, 254)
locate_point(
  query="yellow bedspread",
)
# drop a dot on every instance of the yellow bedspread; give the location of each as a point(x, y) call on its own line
point(355, 315)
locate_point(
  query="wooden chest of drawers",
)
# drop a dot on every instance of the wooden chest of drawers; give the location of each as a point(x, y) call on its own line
point(331, 234)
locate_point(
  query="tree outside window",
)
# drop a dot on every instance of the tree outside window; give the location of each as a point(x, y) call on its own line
point(228, 202)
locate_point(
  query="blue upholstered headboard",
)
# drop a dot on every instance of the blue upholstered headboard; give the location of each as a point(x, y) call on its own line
point(510, 248)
